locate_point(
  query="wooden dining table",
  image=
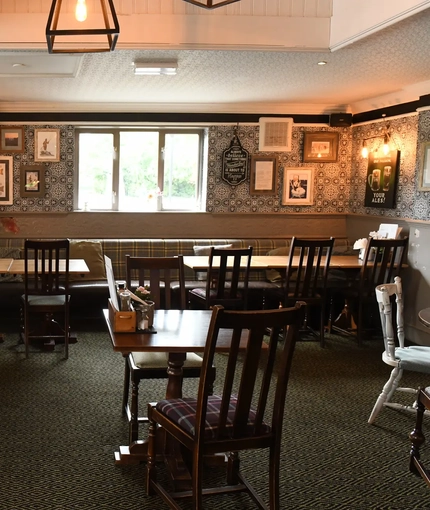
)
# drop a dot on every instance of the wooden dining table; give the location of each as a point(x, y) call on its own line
point(75, 266)
point(177, 332)
point(5, 265)
point(424, 317)
point(201, 262)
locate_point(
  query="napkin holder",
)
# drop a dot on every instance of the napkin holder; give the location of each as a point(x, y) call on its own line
point(121, 322)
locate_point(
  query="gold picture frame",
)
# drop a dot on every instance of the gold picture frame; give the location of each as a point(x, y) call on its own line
point(424, 169)
point(46, 145)
point(263, 175)
point(32, 181)
point(12, 140)
point(298, 186)
point(320, 147)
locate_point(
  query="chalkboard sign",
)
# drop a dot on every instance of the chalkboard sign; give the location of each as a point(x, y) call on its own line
point(235, 163)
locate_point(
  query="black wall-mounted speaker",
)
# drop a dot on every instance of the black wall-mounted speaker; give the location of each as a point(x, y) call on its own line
point(340, 119)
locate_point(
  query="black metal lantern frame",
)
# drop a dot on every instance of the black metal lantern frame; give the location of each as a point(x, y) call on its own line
point(211, 4)
point(111, 32)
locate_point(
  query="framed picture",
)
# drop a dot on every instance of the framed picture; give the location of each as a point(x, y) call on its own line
point(382, 177)
point(6, 180)
point(32, 181)
point(298, 186)
point(12, 140)
point(320, 147)
point(263, 175)
point(275, 134)
point(46, 145)
point(424, 170)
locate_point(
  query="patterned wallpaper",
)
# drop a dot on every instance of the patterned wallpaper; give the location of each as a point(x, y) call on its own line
point(331, 179)
point(403, 131)
point(338, 187)
point(58, 195)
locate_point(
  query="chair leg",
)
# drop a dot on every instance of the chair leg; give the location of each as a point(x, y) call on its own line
point(134, 410)
point(151, 472)
point(197, 482)
point(386, 393)
point(126, 385)
point(233, 466)
point(360, 323)
point(274, 460)
point(322, 327)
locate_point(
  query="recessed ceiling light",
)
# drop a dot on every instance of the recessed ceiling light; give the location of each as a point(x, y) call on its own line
point(322, 63)
point(155, 68)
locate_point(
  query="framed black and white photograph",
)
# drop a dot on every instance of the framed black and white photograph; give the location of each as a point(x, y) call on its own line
point(320, 147)
point(46, 145)
point(6, 180)
point(298, 186)
point(12, 140)
point(424, 170)
point(32, 181)
point(263, 175)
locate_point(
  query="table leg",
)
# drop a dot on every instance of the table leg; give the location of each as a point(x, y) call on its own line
point(136, 452)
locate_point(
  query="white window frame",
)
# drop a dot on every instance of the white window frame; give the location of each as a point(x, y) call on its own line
point(162, 132)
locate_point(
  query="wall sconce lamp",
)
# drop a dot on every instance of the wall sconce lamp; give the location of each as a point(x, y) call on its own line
point(211, 4)
point(385, 146)
point(108, 29)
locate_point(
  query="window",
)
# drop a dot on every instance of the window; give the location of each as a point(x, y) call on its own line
point(140, 170)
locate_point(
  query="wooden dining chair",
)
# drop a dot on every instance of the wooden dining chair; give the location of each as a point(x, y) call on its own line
point(46, 301)
point(306, 279)
point(382, 261)
point(158, 273)
point(227, 280)
point(246, 414)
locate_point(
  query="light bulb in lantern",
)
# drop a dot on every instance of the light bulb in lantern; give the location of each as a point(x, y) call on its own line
point(364, 151)
point(81, 10)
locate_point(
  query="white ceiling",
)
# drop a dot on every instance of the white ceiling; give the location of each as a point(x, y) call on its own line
point(385, 68)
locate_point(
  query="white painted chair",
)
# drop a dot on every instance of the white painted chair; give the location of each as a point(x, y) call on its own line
point(415, 358)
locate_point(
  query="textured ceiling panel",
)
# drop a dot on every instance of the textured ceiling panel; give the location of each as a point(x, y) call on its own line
point(386, 62)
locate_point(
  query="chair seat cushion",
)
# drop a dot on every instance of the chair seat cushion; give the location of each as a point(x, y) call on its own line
point(159, 360)
point(47, 300)
point(182, 411)
point(415, 357)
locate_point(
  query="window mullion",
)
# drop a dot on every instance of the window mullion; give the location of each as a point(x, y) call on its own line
point(115, 170)
point(161, 155)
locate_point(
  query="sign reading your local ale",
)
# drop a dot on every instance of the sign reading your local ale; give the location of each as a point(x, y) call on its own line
point(235, 163)
point(381, 183)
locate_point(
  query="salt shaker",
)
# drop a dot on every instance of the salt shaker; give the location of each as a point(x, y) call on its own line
point(125, 301)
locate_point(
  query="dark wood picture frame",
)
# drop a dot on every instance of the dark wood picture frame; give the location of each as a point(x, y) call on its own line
point(32, 181)
point(320, 147)
point(263, 175)
point(12, 139)
point(6, 180)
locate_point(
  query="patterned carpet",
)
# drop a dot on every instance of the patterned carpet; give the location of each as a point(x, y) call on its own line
point(61, 424)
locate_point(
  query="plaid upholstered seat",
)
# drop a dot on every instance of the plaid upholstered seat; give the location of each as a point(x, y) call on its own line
point(183, 412)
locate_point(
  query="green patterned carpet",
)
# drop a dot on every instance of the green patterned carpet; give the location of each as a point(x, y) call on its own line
point(61, 423)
